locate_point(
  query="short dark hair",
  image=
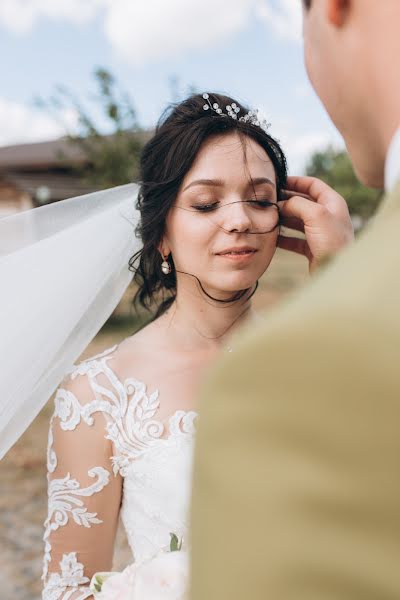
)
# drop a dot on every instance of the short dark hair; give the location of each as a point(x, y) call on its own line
point(165, 160)
point(307, 4)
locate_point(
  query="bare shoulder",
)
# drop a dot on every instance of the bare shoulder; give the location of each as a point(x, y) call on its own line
point(136, 355)
point(141, 342)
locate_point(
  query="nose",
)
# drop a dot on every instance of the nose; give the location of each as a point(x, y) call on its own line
point(235, 217)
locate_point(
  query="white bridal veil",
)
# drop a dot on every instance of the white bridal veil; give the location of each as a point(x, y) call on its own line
point(63, 270)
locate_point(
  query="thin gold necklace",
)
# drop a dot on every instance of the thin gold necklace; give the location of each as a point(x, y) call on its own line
point(227, 348)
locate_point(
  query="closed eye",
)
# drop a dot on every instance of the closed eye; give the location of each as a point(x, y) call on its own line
point(205, 207)
point(258, 203)
point(261, 203)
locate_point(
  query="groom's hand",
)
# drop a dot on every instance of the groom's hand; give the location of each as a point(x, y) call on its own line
point(315, 209)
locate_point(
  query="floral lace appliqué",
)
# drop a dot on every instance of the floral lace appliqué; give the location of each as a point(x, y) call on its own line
point(71, 576)
point(129, 412)
point(127, 407)
point(64, 500)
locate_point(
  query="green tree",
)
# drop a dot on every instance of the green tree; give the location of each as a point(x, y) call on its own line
point(335, 168)
point(111, 150)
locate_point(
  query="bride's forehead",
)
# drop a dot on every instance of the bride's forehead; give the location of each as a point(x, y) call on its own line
point(243, 157)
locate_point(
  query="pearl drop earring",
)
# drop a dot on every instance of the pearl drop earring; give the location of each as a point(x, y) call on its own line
point(166, 267)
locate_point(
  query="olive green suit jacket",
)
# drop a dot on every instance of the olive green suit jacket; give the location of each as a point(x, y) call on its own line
point(297, 464)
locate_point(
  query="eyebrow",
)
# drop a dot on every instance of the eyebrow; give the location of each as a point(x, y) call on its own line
point(220, 183)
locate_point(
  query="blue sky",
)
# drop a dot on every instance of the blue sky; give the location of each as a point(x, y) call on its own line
point(250, 49)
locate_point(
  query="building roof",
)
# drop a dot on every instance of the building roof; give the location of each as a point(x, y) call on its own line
point(40, 155)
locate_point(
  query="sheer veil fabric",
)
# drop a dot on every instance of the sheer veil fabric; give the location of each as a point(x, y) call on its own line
point(63, 270)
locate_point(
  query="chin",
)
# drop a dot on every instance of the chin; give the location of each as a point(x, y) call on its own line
point(369, 169)
point(232, 284)
point(370, 177)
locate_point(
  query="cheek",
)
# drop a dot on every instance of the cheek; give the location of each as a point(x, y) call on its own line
point(314, 59)
point(311, 64)
point(190, 235)
point(268, 246)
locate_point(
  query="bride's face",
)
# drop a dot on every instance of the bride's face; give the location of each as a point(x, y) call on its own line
point(211, 216)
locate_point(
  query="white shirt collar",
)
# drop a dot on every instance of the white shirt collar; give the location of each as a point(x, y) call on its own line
point(392, 164)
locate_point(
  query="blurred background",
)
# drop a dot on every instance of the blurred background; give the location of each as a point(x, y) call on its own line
point(83, 85)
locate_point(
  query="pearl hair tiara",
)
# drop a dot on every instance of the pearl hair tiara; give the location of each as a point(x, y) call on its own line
point(232, 111)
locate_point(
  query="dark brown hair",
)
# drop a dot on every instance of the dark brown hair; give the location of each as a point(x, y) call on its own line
point(165, 160)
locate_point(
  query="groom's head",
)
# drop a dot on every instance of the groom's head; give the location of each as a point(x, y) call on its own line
point(352, 50)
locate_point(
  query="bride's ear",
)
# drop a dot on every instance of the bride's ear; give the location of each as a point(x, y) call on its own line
point(164, 249)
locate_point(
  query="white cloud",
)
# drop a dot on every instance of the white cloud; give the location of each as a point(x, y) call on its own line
point(154, 29)
point(20, 123)
point(20, 16)
point(148, 30)
point(283, 17)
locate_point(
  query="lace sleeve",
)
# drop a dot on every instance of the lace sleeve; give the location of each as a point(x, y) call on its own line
point(83, 493)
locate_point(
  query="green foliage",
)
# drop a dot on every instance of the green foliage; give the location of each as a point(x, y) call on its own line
point(336, 170)
point(98, 583)
point(112, 158)
point(175, 545)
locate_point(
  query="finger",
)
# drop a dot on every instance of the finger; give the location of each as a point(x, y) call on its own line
point(302, 209)
point(292, 223)
point(293, 244)
point(311, 186)
point(318, 190)
point(286, 194)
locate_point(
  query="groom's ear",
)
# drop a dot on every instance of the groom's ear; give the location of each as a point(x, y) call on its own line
point(337, 11)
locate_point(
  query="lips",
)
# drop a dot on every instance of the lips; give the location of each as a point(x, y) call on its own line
point(238, 251)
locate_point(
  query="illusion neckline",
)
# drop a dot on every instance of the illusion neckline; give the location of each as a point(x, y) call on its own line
point(171, 431)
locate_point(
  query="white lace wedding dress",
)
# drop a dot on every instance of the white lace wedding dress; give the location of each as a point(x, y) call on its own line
point(109, 456)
